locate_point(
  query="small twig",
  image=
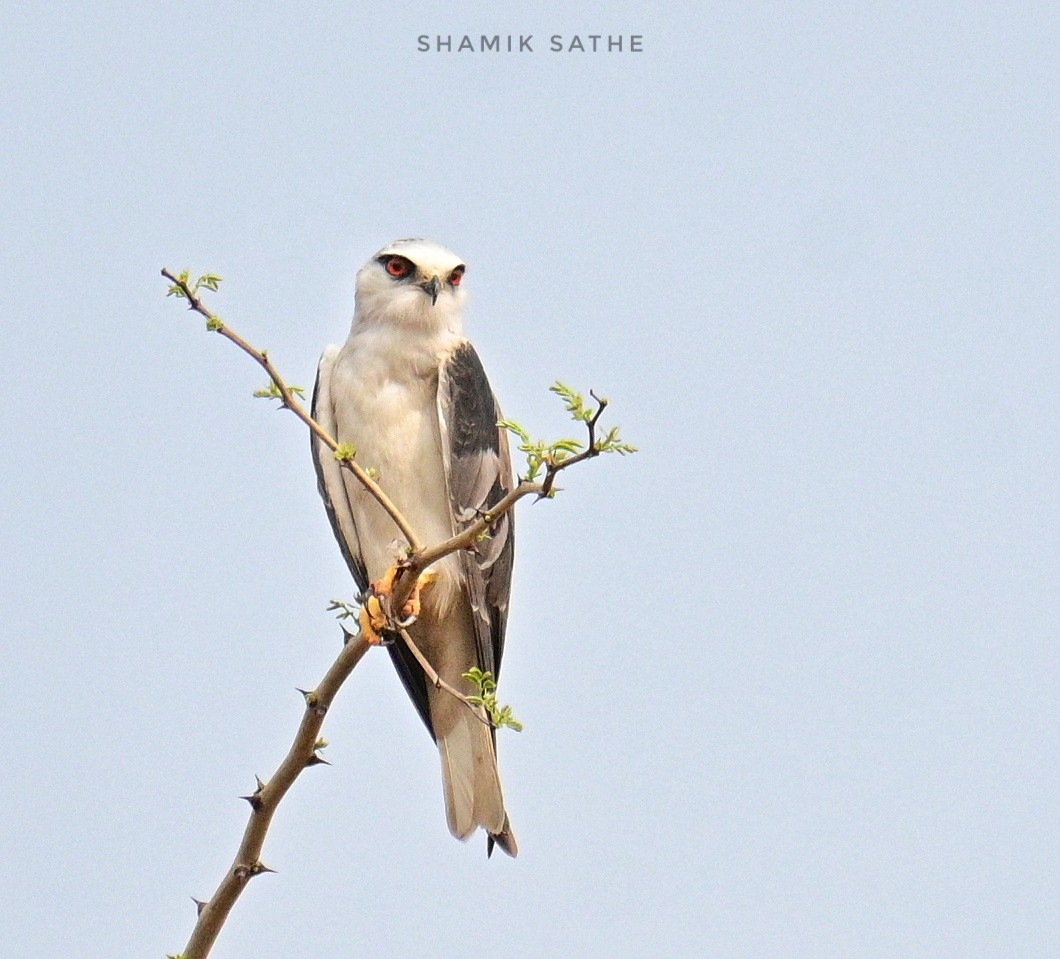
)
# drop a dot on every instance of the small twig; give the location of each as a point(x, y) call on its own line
point(588, 453)
point(288, 400)
point(266, 798)
point(437, 682)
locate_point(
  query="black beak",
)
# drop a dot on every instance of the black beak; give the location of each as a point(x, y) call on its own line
point(432, 288)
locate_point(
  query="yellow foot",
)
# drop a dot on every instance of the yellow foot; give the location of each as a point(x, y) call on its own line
point(410, 612)
point(373, 618)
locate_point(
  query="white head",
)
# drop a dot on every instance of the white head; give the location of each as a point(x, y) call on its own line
point(412, 283)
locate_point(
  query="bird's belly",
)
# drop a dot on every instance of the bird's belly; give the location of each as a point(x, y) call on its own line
point(394, 427)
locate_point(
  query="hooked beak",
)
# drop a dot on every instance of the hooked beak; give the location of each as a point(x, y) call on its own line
point(432, 288)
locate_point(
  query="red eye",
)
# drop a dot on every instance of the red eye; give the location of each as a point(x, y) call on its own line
point(456, 276)
point(398, 266)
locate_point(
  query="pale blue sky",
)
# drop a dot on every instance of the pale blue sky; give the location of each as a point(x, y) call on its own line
point(788, 675)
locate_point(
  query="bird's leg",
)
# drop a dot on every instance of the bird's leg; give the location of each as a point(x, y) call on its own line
point(373, 617)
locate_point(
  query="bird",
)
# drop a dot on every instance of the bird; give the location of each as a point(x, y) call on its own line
point(408, 392)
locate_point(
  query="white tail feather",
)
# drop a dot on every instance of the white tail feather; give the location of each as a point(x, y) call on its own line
point(470, 781)
point(469, 767)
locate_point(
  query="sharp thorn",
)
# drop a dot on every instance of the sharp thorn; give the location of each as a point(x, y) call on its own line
point(199, 905)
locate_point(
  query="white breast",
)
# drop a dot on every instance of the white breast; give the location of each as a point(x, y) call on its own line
point(384, 388)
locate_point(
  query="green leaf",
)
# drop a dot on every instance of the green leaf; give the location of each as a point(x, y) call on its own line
point(505, 718)
point(573, 402)
point(214, 324)
point(273, 392)
point(270, 392)
point(344, 609)
point(515, 428)
point(345, 451)
point(612, 443)
point(486, 698)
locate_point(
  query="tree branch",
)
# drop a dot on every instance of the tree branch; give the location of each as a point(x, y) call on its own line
point(266, 798)
point(288, 400)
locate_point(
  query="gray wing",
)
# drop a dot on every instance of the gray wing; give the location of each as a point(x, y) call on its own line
point(478, 470)
point(329, 473)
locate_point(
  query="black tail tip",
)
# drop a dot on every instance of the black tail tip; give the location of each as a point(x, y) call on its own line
point(506, 841)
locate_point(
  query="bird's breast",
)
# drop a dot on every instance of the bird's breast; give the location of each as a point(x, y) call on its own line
point(386, 406)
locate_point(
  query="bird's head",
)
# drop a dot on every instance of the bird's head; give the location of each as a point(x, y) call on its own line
point(415, 283)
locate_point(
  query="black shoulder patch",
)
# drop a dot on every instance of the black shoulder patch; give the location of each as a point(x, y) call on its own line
point(472, 409)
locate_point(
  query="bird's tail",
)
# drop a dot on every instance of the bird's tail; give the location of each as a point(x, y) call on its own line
point(505, 839)
point(472, 785)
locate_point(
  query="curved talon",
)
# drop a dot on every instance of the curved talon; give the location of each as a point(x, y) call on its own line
point(411, 610)
point(376, 616)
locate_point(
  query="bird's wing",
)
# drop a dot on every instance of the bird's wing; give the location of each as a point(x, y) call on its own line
point(478, 471)
point(329, 472)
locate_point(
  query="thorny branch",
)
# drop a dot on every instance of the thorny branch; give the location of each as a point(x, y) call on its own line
point(304, 751)
point(266, 798)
